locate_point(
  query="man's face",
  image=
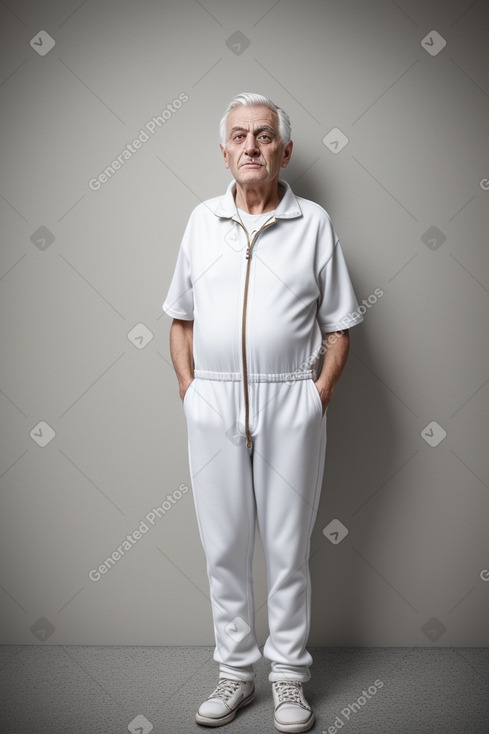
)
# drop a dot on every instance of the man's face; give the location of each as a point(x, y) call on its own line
point(254, 151)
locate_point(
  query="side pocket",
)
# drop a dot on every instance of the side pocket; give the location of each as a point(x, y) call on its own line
point(187, 393)
point(317, 396)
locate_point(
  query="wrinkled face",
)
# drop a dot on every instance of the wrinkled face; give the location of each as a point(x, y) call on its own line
point(254, 151)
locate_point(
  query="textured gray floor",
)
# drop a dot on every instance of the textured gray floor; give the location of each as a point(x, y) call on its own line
point(63, 690)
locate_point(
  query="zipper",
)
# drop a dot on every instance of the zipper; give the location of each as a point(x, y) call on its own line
point(249, 252)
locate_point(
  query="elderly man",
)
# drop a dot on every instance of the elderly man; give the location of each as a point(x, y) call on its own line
point(261, 302)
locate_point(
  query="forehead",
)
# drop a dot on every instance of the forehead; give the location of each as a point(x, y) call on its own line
point(250, 118)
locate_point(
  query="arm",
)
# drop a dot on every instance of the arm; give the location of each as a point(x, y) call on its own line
point(181, 350)
point(337, 345)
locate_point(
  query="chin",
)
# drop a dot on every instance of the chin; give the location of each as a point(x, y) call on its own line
point(252, 176)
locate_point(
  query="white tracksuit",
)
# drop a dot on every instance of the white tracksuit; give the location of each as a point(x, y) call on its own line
point(256, 429)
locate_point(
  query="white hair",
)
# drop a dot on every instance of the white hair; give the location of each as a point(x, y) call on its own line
point(253, 100)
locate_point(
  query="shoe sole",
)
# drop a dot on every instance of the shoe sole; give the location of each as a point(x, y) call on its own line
point(207, 721)
point(295, 728)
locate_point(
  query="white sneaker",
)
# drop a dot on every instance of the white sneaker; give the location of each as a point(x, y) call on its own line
point(221, 706)
point(292, 712)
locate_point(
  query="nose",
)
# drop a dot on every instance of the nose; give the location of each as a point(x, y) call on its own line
point(251, 147)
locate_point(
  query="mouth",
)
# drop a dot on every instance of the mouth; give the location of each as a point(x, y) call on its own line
point(251, 165)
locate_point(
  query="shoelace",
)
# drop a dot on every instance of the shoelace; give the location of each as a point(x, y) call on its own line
point(288, 692)
point(225, 689)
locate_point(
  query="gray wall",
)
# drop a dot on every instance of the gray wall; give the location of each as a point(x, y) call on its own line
point(85, 357)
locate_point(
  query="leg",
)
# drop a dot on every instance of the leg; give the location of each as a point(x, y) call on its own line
point(288, 464)
point(222, 485)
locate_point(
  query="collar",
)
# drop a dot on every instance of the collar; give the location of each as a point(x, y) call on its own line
point(288, 208)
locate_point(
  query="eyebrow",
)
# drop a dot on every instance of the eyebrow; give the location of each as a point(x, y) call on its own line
point(259, 130)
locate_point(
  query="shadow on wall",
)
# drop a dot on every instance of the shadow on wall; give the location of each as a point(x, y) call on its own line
point(364, 449)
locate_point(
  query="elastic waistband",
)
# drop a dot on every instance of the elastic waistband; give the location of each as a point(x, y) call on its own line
point(255, 377)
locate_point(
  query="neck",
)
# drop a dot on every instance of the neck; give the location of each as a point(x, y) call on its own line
point(257, 199)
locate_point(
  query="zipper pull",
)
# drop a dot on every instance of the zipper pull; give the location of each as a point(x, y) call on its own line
point(251, 242)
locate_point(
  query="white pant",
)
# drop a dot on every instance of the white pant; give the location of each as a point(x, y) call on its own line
point(276, 484)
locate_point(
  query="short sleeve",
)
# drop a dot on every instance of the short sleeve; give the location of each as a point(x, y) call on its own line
point(338, 307)
point(179, 302)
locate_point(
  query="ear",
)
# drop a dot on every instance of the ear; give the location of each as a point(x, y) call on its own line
point(224, 155)
point(287, 154)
